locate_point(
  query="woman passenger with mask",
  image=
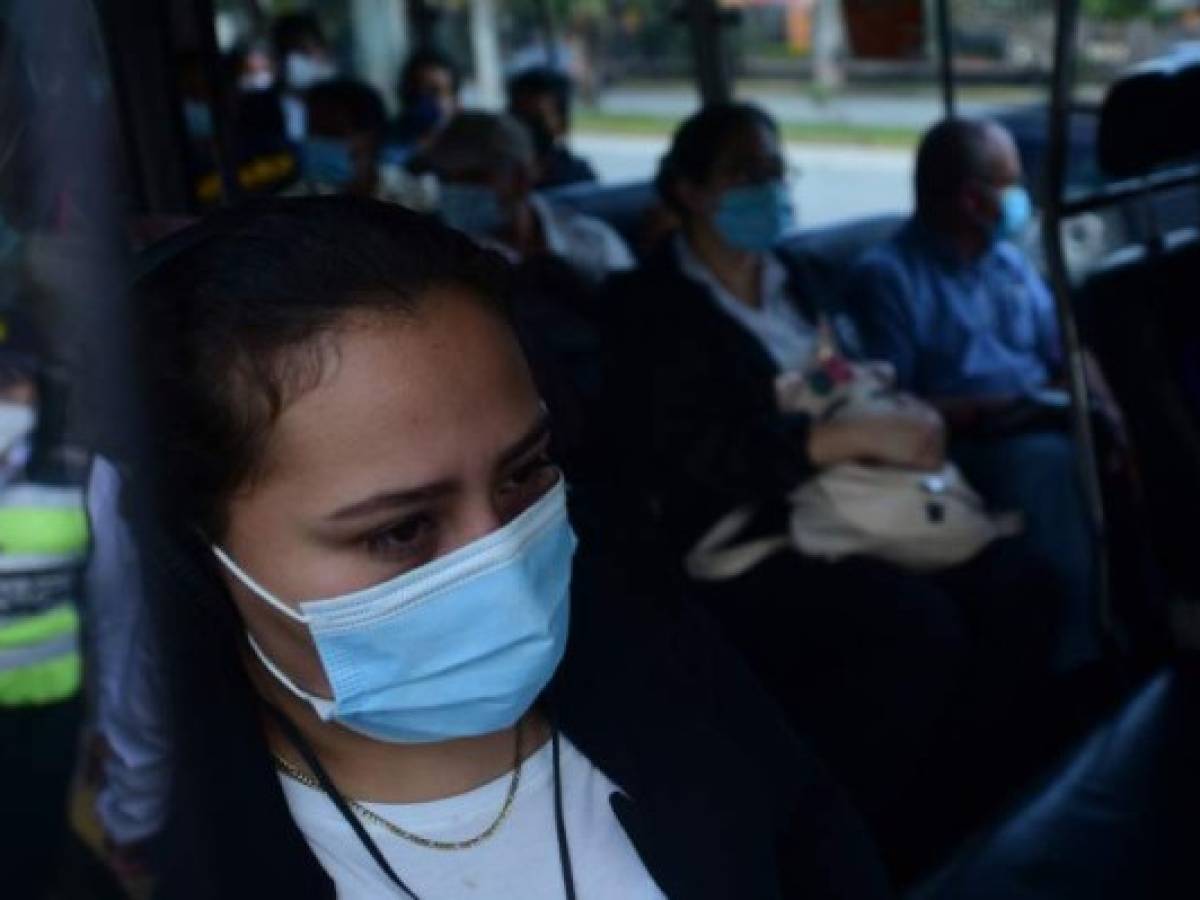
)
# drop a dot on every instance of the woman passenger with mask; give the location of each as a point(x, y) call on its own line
point(863, 655)
point(394, 672)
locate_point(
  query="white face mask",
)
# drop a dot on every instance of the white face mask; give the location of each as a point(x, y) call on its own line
point(17, 421)
point(303, 71)
point(260, 80)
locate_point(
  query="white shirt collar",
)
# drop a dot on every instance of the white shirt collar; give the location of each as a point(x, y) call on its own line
point(776, 323)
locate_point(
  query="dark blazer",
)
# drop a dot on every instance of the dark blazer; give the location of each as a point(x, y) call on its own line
point(700, 388)
point(718, 798)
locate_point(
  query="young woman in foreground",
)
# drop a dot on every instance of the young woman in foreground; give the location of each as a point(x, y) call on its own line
point(395, 673)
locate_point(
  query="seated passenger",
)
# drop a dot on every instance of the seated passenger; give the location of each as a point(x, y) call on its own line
point(487, 167)
point(428, 95)
point(340, 154)
point(862, 654)
point(394, 674)
point(540, 98)
point(303, 59)
point(969, 324)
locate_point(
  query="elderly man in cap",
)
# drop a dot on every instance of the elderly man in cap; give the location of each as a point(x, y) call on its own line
point(487, 166)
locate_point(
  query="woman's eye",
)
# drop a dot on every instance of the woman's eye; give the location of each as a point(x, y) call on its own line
point(405, 537)
point(535, 473)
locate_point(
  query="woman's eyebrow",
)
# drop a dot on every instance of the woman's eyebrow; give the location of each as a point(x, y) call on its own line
point(388, 500)
point(535, 435)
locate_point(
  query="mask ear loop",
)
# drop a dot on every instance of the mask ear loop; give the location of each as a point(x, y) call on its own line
point(251, 585)
point(323, 706)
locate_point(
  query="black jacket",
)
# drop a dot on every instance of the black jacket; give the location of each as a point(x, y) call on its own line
point(720, 800)
point(701, 389)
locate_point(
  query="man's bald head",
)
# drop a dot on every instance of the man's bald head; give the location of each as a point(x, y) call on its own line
point(957, 153)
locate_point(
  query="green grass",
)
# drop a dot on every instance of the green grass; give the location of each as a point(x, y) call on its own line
point(810, 133)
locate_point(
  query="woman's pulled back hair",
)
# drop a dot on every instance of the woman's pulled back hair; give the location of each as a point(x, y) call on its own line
point(699, 142)
point(235, 325)
point(239, 317)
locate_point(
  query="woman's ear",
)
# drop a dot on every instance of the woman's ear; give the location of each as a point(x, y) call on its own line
point(692, 197)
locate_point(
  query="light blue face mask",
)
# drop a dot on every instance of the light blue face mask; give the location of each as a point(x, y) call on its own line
point(756, 216)
point(1016, 209)
point(326, 161)
point(456, 648)
point(473, 208)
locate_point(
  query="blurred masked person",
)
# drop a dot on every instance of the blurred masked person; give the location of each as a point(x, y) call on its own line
point(43, 544)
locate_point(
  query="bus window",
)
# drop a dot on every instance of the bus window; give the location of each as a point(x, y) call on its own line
point(627, 66)
point(855, 83)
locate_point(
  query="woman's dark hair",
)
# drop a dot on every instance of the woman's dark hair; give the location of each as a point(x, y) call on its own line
point(232, 324)
point(699, 142)
point(421, 59)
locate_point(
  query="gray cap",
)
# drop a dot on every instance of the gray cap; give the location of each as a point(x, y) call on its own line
point(479, 140)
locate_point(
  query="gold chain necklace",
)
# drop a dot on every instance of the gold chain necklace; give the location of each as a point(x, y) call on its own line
point(292, 772)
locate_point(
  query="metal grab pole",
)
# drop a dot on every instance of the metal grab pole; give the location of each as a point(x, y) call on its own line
point(945, 46)
point(704, 22)
point(1067, 20)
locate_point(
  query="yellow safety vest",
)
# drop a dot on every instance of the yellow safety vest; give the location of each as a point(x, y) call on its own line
point(43, 546)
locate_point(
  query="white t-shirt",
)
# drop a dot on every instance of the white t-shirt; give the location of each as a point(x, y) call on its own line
point(520, 860)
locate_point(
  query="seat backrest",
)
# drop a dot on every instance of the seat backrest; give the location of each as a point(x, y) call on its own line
point(1147, 120)
point(1139, 316)
point(1138, 309)
point(622, 205)
point(842, 244)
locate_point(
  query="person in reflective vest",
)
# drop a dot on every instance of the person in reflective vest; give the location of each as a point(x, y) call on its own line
point(43, 545)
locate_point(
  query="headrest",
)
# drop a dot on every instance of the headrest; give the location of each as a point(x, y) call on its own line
point(1149, 116)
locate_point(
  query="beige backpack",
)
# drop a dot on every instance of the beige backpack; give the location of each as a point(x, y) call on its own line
point(917, 520)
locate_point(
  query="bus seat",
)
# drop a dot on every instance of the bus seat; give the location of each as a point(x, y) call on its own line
point(1118, 818)
point(1146, 121)
point(842, 244)
point(622, 205)
point(1138, 315)
point(1137, 308)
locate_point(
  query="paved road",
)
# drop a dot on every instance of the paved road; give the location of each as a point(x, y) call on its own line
point(915, 111)
point(834, 183)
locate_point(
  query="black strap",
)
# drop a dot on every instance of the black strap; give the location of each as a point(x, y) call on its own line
point(560, 825)
point(310, 758)
point(292, 733)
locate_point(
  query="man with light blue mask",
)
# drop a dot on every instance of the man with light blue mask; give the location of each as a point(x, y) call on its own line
point(960, 311)
point(487, 166)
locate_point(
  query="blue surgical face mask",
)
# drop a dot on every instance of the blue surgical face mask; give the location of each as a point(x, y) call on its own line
point(421, 116)
point(1016, 209)
point(326, 161)
point(459, 647)
point(473, 208)
point(756, 216)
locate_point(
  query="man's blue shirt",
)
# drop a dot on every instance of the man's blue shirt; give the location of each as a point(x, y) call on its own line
point(954, 328)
